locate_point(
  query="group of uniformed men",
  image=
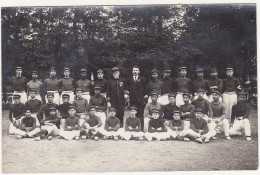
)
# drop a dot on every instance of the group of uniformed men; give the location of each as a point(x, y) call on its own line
point(162, 108)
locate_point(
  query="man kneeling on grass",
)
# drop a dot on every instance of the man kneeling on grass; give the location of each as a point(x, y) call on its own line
point(199, 128)
point(132, 126)
point(90, 127)
point(176, 127)
point(28, 126)
point(156, 128)
point(49, 126)
point(112, 126)
point(71, 128)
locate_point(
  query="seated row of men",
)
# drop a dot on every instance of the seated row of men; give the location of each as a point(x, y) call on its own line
point(200, 120)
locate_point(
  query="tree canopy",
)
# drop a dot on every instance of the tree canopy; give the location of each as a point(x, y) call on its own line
point(149, 36)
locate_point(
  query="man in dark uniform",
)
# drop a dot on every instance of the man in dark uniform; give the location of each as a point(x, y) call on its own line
point(155, 85)
point(66, 85)
point(101, 82)
point(168, 82)
point(117, 92)
point(19, 84)
point(181, 85)
point(136, 85)
point(85, 84)
point(36, 84)
point(215, 83)
point(51, 85)
point(200, 83)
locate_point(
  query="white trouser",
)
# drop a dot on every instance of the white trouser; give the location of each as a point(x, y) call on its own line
point(93, 131)
point(196, 135)
point(186, 124)
point(174, 134)
point(211, 125)
point(69, 135)
point(210, 98)
point(221, 126)
point(12, 128)
point(36, 97)
point(127, 135)
point(35, 116)
point(102, 116)
point(204, 96)
point(86, 95)
point(240, 127)
point(51, 129)
point(81, 119)
point(110, 133)
point(22, 94)
point(56, 98)
point(161, 99)
point(229, 99)
point(157, 135)
point(71, 98)
point(30, 134)
point(146, 123)
point(179, 99)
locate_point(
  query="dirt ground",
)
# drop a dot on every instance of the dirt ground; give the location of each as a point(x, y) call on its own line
point(58, 155)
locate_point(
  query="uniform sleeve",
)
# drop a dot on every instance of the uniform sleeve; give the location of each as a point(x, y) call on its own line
point(170, 125)
point(40, 113)
point(192, 126)
point(163, 88)
point(209, 109)
point(11, 113)
point(76, 127)
point(220, 85)
point(109, 91)
point(150, 129)
point(247, 111)
point(66, 125)
point(22, 126)
point(205, 126)
point(237, 83)
point(117, 125)
point(25, 83)
point(192, 111)
point(207, 87)
point(34, 124)
point(224, 86)
point(139, 126)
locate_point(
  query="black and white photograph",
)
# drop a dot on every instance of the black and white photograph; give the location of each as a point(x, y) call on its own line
point(129, 88)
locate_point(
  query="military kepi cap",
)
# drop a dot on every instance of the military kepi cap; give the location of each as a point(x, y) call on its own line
point(154, 71)
point(154, 93)
point(18, 68)
point(83, 70)
point(97, 88)
point(187, 94)
point(16, 96)
point(198, 110)
point(50, 94)
point(199, 69)
point(71, 107)
point(155, 111)
point(112, 109)
point(100, 71)
point(114, 69)
point(216, 92)
point(52, 109)
point(167, 70)
point(176, 112)
point(78, 90)
point(171, 95)
point(34, 72)
point(65, 96)
point(200, 90)
point(133, 108)
point(33, 90)
point(66, 68)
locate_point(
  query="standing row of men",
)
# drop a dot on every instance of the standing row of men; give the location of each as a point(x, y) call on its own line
point(118, 89)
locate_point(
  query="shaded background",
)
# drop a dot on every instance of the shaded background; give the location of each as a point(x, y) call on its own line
point(149, 36)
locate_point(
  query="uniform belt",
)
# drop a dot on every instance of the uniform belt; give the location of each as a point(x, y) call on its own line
point(81, 113)
point(86, 93)
point(99, 110)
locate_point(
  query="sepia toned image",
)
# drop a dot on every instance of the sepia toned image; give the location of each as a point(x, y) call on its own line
point(129, 88)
